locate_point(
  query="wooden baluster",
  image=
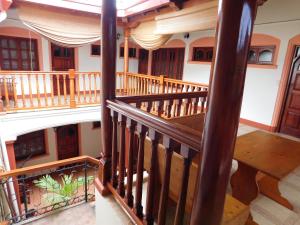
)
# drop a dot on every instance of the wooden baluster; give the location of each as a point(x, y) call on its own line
point(149, 106)
point(58, 88)
point(129, 197)
point(65, 89)
point(145, 86)
point(196, 102)
point(72, 77)
point(150, 199)
point(84, 88)
point(138, 208)
point(181, 88)
point(169, 108)
point(52, 89)
point(122, 124)
point(38, 90)
point(45, 90)
point(6, 92)
point(167, 87)
point(95, 88)
point(30, 90)
point(23, 92)
point(78, 88)
point(160, 108)
point(187, 88)
point(169, 145)
point(189, 106)
point(203, 100)
point(114, 156)
point(90, 88)
point(138, 104)
point(176, 87)
point(187, 155)
point(15, 92)
point(178, 108)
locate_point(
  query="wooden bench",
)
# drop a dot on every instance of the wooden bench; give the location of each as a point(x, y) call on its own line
point(235, 212)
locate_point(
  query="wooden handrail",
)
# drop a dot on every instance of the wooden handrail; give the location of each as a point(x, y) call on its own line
point(176, 132)
point(159, 97)
point(44, 166)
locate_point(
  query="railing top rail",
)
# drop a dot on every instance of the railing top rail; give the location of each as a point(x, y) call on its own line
point(44, 166)
point(143, 76)
point(177, 132)
point(158, 97)
point(185, 82)
point(6, 72)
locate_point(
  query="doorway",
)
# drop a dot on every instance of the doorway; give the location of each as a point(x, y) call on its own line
point(63, 59)
point(143, 61)
point(169, 62)
point(290, 122)
point(67, 141)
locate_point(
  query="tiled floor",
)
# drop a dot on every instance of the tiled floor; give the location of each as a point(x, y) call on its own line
point(83, 214)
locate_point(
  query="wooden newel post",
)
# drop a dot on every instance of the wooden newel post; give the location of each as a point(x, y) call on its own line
point(233, 36)
point(108, 89)
point(72, 88)
point(161, 84)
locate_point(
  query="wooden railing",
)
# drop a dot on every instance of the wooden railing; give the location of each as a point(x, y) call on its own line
point(162, 136)
point(27, 90)
point(26, 199)
point(169, 105)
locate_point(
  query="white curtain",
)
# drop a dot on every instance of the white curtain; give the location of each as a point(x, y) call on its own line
point(70, 30)
point(144, 36)
point(200, 17)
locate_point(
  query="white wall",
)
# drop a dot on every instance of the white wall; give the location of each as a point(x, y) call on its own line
point(89, 144)
point(261, 87)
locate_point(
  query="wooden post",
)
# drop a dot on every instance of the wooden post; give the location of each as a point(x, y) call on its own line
point(150, 54)
point(126, 56)
point(72, 88)
point(235, 18)
point(108, 88)
point(161, 84)
point(13, 165)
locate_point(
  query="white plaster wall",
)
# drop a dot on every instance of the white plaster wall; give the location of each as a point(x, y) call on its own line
point(90, 140)
point(89, 143)
point(275, 18)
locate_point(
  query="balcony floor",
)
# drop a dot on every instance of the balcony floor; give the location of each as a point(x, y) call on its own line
point(77, 215)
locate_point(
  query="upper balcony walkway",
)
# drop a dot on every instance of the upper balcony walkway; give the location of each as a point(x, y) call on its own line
point(40, 90)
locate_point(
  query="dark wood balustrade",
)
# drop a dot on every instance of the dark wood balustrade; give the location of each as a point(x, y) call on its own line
point(171, 104)
point(169, 152)
point(140, 126)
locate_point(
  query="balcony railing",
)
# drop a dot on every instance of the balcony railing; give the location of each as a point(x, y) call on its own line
point(27, 90)
point(33, 191)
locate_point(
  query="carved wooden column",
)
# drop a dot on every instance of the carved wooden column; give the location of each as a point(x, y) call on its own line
point(126, 50)
point(150, 56)
point(233, 36)
point(108, 86)
point(126, 56)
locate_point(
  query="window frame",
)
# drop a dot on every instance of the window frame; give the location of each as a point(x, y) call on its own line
point(19, 53)
point(97, 125)
point(258, 50)
point(95, 45)
point(33, 136)
point(122, 51)
point(205, 50)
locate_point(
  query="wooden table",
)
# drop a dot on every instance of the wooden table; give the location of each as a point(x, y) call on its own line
point(262, 152)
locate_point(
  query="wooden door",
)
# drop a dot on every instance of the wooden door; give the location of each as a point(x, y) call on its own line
point(143, 61)
point(67, 141)
point(290, 123)
point(169, 62)
point(63, 59)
